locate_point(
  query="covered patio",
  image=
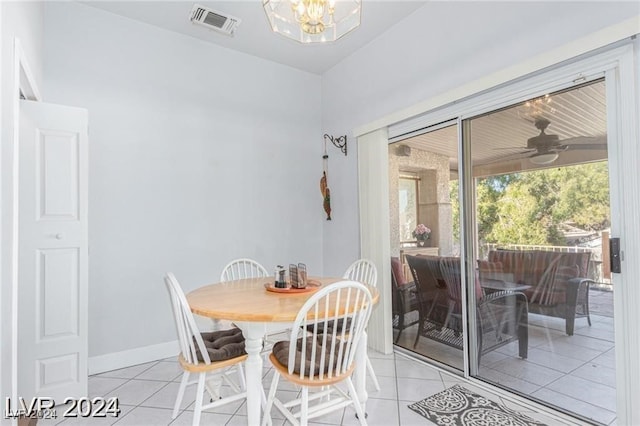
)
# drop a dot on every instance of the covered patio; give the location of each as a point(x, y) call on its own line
point(574, 373)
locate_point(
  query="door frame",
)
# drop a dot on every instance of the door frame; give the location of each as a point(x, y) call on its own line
point(616, 63)
point(24, 85)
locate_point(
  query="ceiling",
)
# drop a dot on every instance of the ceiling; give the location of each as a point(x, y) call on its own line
point(254, 35)
point(499, 139)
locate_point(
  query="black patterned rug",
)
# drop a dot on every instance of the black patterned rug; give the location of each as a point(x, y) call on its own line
point(460, 407)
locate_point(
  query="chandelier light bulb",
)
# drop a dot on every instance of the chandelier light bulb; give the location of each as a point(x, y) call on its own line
point(313, 21)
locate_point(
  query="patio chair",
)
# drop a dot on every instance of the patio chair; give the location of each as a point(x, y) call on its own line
point(207, 355)
point(558, 284)
point(501, 317)
point(431, 292)
point(404, 299)
point(319, 356)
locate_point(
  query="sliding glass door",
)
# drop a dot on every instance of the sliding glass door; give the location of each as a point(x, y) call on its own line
point(423, 188)
point(539, 222)
point(529, 215)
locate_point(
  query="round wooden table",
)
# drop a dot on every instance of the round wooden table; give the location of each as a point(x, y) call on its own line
point(257, 311)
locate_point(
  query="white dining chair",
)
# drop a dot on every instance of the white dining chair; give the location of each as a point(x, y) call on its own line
point(248, 268)
point(319, 356)
point(242, 268)
point(195, 356)
point(364, 271)
point(239, 269)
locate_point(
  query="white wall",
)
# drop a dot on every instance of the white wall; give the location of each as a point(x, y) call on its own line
point(443, 45)
point(198, 155)
point(24, 21)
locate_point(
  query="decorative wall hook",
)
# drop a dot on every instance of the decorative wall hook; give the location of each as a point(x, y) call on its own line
point(338, 142)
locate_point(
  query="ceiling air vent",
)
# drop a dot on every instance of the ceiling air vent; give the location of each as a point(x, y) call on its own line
point(214, 20)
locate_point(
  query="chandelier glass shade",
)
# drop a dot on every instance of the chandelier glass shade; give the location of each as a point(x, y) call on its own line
point(313, 21)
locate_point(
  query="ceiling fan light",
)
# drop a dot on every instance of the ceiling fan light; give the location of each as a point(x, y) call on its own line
point(544, 159)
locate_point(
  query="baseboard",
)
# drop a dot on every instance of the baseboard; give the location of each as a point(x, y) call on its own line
point(113, 361)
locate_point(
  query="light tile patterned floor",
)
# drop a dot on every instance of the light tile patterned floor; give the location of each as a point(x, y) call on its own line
point(575, 372)
point(147, 393)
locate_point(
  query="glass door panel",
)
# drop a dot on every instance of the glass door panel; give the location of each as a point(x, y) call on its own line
point(539, 193)
point(427, 309)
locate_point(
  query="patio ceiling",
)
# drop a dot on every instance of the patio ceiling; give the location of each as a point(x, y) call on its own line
point(499, 139)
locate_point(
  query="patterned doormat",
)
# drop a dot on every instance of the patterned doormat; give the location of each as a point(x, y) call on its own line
point(461, 407)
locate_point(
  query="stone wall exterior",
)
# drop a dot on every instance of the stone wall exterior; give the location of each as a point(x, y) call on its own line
point(434, 204)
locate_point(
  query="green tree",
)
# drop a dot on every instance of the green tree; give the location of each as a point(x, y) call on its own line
point(584, 196)
point(522, 218)
point(488, 193)
point(529, 207)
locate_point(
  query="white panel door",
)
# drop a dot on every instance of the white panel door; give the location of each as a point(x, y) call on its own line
point(53, 251)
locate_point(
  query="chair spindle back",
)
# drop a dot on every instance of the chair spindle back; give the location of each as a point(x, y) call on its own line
point(242, 268)
point(188, 332)
point(363, 271)
point(332, 348)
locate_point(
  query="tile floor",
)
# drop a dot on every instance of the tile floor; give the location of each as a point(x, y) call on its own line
point(147, 393)
point(573, 372)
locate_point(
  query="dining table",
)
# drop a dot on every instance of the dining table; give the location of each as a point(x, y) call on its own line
point(257, 311)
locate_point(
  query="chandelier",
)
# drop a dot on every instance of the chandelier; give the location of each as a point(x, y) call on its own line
point(537, 108)
point(313, 21)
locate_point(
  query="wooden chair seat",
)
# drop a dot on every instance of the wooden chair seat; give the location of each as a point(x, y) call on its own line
point(283, 369)
point(216, 365)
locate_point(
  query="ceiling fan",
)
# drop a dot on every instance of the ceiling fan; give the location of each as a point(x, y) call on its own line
point(545, 148)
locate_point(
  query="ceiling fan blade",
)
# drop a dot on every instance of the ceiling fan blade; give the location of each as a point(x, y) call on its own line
point(585, 140)
point(511, 157)
point(547, 145)
point(521, 148)
point(586, 146)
